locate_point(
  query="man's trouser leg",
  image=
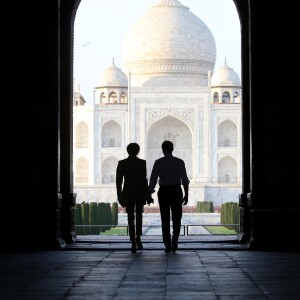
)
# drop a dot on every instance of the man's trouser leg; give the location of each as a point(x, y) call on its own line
point(165, 215)
point(176, 209)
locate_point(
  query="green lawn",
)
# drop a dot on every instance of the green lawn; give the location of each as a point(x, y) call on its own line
point(121, 231)
point(115, 231)
point(219, 230)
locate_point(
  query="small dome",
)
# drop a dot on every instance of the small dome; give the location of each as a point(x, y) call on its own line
point(225, 76)
point(113, 76)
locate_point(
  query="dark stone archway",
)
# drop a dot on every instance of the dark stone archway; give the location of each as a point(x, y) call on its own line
point(37, 195)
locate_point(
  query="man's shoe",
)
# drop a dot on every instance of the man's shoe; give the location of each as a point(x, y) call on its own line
point(139, 243)
point(174, 243)
point(174, 247)
point(168, 249)
point(133, 247)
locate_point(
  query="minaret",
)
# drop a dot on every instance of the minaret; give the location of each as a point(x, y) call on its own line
point(129, 126)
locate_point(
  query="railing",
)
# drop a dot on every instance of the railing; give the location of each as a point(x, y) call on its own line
point(186, 229)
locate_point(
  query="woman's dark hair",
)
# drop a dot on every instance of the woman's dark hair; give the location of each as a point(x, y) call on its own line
point(167, 147)
point(133, 149)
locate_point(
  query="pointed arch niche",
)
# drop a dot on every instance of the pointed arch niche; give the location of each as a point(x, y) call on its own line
point(111, 135)
point(173, 129)
point(82, 171)
point(227, 170)
point(109, 166)
point(81, 137)
point(227, 134)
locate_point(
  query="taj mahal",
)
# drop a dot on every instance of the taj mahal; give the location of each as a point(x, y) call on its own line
point(169, 89)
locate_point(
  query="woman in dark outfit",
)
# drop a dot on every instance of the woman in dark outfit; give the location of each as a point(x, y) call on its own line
point(133, 193)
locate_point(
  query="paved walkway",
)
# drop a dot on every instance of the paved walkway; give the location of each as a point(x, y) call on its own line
point(114, 273)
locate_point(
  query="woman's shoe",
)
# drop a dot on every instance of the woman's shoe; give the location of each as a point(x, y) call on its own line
point(133, 247)
point(139, 243)
point(174, 247)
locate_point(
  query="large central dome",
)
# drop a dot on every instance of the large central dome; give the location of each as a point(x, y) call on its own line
point(169, 41)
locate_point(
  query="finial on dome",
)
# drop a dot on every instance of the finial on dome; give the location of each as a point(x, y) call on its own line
point(113, 61)
point(168, 3)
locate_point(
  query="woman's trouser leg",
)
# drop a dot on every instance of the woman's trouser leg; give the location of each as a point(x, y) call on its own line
point(130, 219)
point(139, 219)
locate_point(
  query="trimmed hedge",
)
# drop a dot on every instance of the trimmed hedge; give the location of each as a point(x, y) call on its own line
point(115, 213)
point(205, 207)
point(95, 214)
point(85, 208)
point(107, 216)
point(78, 218)
point(230, 214)
point(93, 218)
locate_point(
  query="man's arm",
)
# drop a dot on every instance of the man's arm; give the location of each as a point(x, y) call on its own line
point(153, 178)
point(186, 194)
point(149, 199)
point(185, 182)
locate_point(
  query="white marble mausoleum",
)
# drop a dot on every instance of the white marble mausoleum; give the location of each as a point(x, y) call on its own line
point(169, 89)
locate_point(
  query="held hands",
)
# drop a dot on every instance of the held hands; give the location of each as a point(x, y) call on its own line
point(185, 200)
point(120, 200)
point(121, 203)
point(149, 199)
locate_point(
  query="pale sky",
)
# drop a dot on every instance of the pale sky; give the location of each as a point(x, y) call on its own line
point(100, 26)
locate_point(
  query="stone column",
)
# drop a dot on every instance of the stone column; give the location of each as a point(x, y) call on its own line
point(68, 201)
point(244, 233)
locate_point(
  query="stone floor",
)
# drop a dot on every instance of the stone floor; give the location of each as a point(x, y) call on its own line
point(217, 269)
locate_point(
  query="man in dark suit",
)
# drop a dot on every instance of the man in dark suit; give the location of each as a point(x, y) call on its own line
point(170, 172)
point(133, 192)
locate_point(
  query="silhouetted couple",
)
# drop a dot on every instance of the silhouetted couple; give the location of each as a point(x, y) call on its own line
point(134, 192)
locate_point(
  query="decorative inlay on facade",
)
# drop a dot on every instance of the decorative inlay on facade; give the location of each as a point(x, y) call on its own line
point(196, 66)
point(185, 114)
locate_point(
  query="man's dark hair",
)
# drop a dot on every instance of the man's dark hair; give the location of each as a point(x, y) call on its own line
point(133, 149)
point(167, 147)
